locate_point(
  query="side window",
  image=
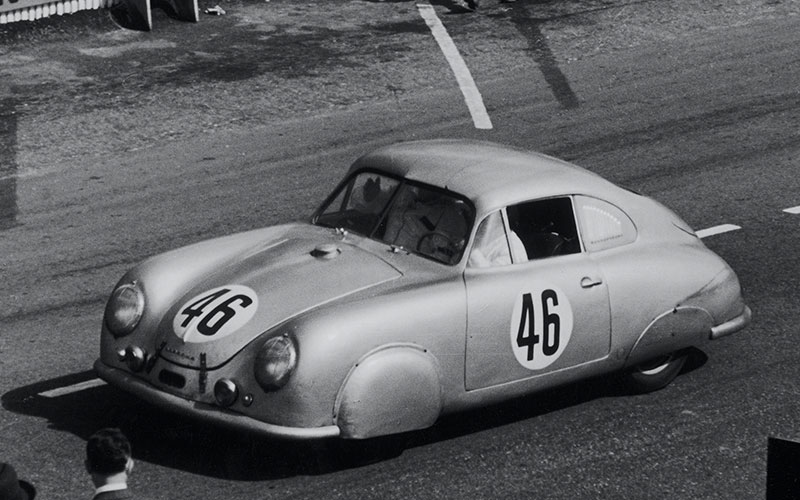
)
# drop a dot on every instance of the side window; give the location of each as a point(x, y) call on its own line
point(491, 245)
point(603, 225)
point(545, 227)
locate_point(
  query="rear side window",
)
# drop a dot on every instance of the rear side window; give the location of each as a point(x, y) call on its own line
point(603, 225)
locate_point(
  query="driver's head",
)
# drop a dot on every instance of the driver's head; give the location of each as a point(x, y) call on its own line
point(372, 188)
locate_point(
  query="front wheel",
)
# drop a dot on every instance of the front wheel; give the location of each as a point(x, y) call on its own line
point(656, 373)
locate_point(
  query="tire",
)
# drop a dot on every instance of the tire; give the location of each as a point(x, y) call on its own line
point(657, 373)
point(360, 452)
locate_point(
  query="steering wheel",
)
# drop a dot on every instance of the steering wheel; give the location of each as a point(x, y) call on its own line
point(564, 246)
point(437, 243)
point(558, 245)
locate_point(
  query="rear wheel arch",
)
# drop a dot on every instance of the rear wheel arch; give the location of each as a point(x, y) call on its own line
point(392, 389)
point(661, 350)
point(673, 330)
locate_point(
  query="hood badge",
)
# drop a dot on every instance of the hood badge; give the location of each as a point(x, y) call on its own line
point(326, 251)
point(179, 353)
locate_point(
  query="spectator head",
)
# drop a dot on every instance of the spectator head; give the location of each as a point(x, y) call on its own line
point(13, 488)
point(108, 452)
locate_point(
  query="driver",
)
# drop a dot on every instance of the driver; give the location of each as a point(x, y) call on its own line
point(491, 247)
point(422, 213)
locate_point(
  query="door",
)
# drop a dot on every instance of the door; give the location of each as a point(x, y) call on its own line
point(533, 317)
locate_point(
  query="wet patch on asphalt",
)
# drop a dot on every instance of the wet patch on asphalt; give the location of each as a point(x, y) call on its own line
point(8, 164)
point(542, 54)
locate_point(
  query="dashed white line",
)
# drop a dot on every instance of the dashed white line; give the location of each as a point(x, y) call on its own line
point(793, 210)
point(464, 78)
point(711, 231)
point(62, 391)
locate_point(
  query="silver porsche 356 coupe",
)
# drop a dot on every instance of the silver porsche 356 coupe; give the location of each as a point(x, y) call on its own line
point(437, 276)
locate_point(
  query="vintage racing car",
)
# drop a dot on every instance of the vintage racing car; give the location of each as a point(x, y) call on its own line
point(438, 276)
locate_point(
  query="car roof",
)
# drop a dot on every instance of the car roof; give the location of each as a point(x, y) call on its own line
point(491, 175)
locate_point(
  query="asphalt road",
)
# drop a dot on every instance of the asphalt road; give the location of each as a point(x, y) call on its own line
point(116, 145)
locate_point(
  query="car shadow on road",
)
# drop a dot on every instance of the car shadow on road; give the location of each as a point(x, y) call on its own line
point(179, 443)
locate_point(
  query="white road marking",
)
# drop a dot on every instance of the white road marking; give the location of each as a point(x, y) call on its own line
point(711, 231)
point(464, 78)
point(61, 391)
point(793, 210)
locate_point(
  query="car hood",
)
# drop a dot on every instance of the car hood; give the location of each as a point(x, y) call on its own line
point(262, 286)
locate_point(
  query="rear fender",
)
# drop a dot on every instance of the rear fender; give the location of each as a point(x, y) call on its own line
point(678, 328)
point(394, 388)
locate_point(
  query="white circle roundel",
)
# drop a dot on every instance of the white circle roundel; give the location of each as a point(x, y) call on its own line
point(215, 313)
point(541, 325)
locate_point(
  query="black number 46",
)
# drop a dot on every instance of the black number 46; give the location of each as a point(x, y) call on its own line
point(216, 318)
point(551, 324)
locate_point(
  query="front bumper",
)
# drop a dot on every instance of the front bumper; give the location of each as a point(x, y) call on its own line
point(733, 325)
point(209, 413)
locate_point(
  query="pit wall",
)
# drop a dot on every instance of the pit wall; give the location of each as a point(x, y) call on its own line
point(31, 10)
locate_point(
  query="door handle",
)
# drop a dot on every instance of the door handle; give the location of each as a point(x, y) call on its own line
point(588, 282)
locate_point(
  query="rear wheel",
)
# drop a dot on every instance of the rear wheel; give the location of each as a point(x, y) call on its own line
point(656, 373)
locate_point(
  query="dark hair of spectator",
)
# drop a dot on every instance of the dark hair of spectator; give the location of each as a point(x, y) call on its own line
point(107, 451)
point(13, 488)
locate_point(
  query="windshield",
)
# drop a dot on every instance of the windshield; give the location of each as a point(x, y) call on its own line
point(422, 219)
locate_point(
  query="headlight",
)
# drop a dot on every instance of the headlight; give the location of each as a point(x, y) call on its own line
point(124, 309)
point(275, 362)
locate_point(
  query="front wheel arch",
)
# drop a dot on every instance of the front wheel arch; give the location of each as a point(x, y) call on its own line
point(392, 389)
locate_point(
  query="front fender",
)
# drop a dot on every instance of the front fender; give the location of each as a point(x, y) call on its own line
point(394, 388)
